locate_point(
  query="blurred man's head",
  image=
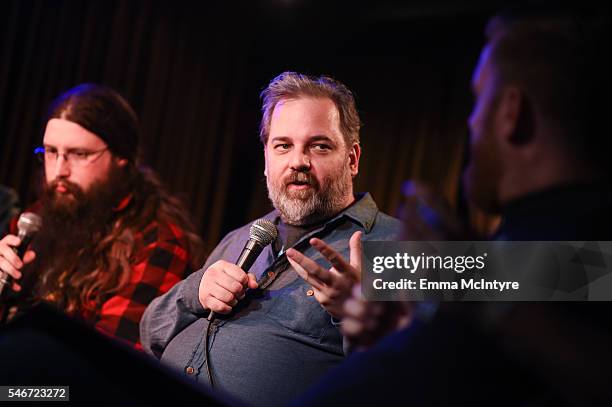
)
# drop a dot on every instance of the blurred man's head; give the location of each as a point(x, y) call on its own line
point(538, 108)
point(310, 132)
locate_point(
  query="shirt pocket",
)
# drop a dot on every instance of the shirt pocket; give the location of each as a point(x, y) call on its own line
point(295, 308)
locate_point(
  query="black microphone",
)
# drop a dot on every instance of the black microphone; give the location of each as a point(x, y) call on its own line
point(262, 233)
point(28, 225)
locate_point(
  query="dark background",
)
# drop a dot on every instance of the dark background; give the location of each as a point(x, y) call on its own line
point(193, 71)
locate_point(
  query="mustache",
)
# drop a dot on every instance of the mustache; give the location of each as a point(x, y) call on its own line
point(302, 177)
point(71, 187)
point(51, 196)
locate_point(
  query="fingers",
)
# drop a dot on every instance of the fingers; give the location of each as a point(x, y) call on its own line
point(355, 255)
point(355, 250)
point(10, 263)
point(217, 306)
point(7, 253)
point(366, 313)
point(366, 322)
point(313, 281)
point(252, 281)
point(9, 269)
point(225, 296)
point(335, 258)
point(363, 322)
point(359, 320)
point(233, 271)
point(354, 308)
point(223, 285)
point(406, 315)
point(351, 327)
point(29, 256)
point(331, 287)
point(308, 269)
point(229, 283)
point(10, 240)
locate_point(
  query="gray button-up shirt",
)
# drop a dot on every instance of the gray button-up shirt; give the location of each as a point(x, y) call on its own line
point(278, 339)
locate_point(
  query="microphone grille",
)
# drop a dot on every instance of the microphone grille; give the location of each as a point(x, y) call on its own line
point(263, 231)
point(29, 223)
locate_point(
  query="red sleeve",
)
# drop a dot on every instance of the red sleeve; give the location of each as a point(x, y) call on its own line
point(13, 225)
point(162, 262)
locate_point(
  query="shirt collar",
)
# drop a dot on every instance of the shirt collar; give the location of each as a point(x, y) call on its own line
point(363, 211)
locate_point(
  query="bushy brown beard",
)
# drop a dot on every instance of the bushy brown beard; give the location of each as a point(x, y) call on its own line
point(73, 224)
point(80, 214)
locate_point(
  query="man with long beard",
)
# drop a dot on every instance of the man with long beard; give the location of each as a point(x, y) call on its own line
point(274, 332)
point(112, 238)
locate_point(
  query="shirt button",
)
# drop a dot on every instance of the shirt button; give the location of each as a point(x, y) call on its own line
point(310, 293)
point(270, 274)
point(189, 370)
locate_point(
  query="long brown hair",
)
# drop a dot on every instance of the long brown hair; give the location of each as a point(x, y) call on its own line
point(79, 283)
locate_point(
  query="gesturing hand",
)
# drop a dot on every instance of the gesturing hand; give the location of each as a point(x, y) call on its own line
point(333, 286)
point(427, 216)
point(366, 322)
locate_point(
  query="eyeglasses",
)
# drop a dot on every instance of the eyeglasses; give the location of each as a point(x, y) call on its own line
point(78, 157)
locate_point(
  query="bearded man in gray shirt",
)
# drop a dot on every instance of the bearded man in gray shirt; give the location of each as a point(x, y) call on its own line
point(276, 329)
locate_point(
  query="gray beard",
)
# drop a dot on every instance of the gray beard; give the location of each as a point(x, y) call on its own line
point(310, 206)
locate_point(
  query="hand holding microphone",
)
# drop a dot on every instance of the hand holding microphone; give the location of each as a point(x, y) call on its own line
point(224, 283)
point(13, 250)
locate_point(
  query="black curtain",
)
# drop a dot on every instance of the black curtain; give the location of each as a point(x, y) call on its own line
point(193, 72)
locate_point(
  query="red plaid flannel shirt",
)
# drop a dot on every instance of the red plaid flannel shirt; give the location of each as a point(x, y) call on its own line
point(161, 260)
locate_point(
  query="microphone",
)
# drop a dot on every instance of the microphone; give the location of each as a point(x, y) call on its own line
point(262, 233)
point(28, 225)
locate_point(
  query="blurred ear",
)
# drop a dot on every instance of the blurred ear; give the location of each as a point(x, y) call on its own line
point(524, 131)
point(354, 155)
point(514, 116)
point(121, 162)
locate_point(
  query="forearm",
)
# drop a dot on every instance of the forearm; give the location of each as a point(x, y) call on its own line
point(170, 313)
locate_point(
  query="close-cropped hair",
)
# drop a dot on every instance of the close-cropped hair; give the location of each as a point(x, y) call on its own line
point(561, 63)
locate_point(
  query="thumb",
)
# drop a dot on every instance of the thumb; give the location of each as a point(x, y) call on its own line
point(355, 254)
point(252, 283)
